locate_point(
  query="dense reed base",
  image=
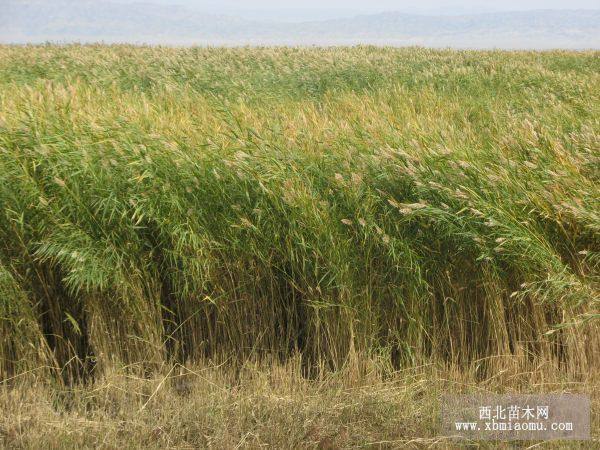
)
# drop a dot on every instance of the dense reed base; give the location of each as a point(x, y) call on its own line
point(265, 405)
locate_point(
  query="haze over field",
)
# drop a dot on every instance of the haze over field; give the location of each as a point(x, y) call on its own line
point(460, 24)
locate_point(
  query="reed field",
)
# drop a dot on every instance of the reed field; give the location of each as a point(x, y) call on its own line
point(291, 247)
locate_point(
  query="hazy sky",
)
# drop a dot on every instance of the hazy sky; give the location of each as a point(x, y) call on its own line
point(300, 10)
point(387, 4)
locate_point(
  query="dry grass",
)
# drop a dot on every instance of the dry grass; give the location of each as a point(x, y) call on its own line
point(260, 405)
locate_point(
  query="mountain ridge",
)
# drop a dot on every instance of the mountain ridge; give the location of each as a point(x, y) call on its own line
point(34, 21)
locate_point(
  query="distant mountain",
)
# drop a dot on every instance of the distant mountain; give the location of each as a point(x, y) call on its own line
point(528, 29)
point(94, 21)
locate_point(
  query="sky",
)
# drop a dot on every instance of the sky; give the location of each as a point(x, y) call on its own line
point(383, 5)
point(300, 10)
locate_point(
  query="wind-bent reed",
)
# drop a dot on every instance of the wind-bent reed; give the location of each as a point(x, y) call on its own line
point(161, 205)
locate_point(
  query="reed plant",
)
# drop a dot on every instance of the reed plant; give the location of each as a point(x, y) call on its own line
point(163, 205)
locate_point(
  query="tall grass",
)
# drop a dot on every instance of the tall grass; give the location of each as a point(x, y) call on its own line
point(161, 205)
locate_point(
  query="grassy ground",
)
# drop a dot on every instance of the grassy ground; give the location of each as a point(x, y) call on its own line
point(270, 406)
point(165, 207)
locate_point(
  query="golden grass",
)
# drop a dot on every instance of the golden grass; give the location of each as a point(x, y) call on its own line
point(263, 405)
